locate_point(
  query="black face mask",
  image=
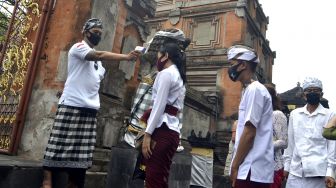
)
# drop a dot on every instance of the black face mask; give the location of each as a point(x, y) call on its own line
point(94, 38)
point(313, 98)
point(233, 73)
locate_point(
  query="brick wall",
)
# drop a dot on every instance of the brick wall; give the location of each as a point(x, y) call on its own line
point(62, 33)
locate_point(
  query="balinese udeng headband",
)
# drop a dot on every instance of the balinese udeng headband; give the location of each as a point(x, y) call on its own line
point(242, 53)
point(179, 35)
point(93, 23)
point(312, 82)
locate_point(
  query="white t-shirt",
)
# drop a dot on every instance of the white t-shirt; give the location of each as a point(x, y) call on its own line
point(84, 77)
point(256, 107)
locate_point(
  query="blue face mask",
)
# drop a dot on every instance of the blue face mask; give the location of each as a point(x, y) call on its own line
point(233, 73)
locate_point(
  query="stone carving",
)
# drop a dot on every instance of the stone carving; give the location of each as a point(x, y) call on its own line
point(204, 32)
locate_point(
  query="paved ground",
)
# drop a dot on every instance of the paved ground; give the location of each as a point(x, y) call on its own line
point(12, 161)
point(17, 172)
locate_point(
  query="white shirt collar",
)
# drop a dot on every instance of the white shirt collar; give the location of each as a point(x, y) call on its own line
point(319, 110)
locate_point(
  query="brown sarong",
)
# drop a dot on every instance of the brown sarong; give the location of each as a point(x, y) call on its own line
point(158, 165)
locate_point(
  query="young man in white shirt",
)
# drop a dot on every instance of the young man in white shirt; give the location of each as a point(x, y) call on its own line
point(73, 136)
point(253, 162)
point(310, 158)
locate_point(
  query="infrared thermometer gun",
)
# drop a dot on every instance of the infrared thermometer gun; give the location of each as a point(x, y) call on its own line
point(140, 49)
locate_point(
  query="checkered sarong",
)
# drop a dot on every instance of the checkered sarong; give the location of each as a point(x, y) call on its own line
point(72, 139)
point(146, 103)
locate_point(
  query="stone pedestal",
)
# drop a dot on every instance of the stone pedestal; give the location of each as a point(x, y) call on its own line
point(122, 164)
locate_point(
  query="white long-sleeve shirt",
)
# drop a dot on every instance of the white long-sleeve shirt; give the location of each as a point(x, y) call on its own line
point(309, 154)
point(168, 88)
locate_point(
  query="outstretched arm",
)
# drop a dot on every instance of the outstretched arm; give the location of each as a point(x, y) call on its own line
point(110, 56)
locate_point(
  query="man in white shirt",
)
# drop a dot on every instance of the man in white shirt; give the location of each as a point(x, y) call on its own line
point(310, 158)
point(253, 161)
point(73, 136)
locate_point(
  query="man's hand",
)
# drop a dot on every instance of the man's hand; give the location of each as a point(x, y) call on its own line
point(285, 174)
point(330, 182)
point(146, 146)
point(233, 175)
point(133, 55)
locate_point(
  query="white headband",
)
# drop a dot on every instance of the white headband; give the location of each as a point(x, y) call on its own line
point(242, 53)
point(312, 82)
point(179, 35)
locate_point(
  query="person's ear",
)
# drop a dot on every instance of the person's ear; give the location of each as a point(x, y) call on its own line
point(321, 94)
point(165, 57)
point(242, 66)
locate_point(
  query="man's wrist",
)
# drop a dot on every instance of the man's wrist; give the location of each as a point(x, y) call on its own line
point(234, 165)
point(128, 57)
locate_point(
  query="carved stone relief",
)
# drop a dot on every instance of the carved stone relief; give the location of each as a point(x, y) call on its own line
point(204, 32)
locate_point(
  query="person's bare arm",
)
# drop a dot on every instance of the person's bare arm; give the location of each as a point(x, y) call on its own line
point(331, 123)
point(110, 56)
point(245, 144)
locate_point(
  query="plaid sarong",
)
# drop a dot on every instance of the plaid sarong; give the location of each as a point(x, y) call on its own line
point(72, 139)
point(145, 104)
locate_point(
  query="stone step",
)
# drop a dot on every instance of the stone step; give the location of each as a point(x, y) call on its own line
point(218, 169)
point(14, 177)
point(95, 179)
point(221, 181)
point(99, 165)
point(122, 165)
point(102, 153)
point(101, 158)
